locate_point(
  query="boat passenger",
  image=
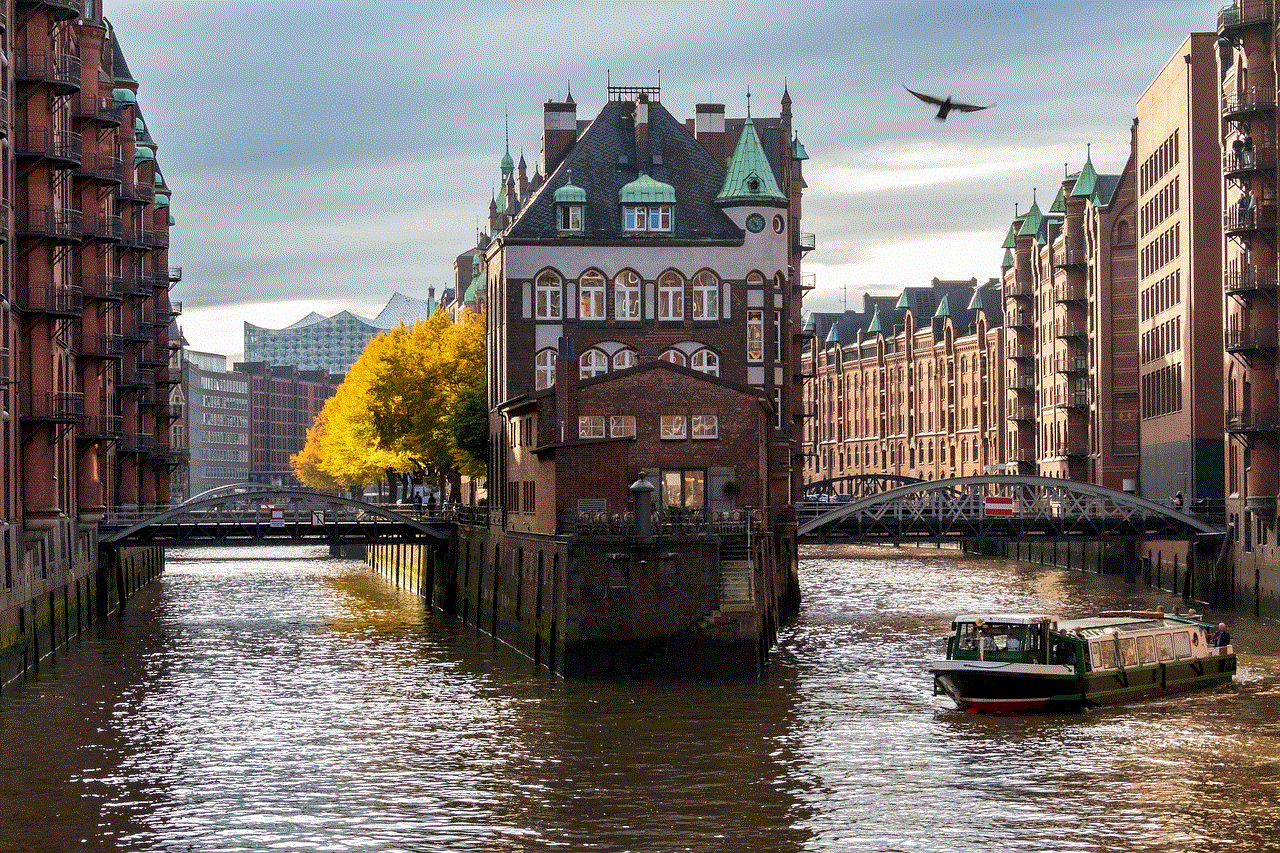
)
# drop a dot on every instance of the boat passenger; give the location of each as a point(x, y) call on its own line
point(1013, 644)
point(1222, 639)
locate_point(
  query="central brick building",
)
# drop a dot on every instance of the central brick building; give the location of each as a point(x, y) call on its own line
point(643, 305)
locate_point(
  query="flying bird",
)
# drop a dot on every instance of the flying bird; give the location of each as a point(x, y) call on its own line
point(945, 107)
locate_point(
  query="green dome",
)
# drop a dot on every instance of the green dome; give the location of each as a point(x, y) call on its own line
point(644, 190)
point(124, 96)
point(162, 200)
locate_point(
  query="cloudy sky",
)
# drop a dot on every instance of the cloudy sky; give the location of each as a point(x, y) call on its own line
point(324, 155)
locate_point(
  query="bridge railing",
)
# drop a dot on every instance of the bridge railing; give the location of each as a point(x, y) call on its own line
point(665, 523)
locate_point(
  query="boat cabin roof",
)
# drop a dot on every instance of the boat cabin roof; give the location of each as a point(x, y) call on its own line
point(1094, 626)
point(1007, 618)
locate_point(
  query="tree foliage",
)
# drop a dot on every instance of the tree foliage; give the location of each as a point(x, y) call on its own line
point(394, 412)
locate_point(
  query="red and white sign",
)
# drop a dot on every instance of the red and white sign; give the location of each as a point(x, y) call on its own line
point(277, 516)
point(997, 505)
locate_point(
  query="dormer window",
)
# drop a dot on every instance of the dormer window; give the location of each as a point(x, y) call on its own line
point(639, 217)
point(570, 203)
point(569, 217)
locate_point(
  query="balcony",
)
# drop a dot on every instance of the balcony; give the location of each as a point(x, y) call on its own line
point(1068, 328)
point(1070, 293)
point(102, 427)
point(139, 193)
point(1018, 320)
point(101, 167)
point(1021, 352)
point(132, 237)
point(105, 288)
point(137, 285)
point(1252, 339)
point(1071, 364)
point(805, 243)
point(51, 407)
point(59, 300)
point(1249, 279)
point(95, 108)
point(59, 71)
point(139, 443)
point(1245, 421)
point(1021, 413)
point(62, 10)
point(132, 379)
point(1261, 157)
point(1022, 381)
point(1245, 13)
point(1019, 287)
point(4, 107)
point(1075, 400)
point(1237, 221)
point(1068, 451)
point(99, 226)
point(98, 346)
point(44, 143)
point(158, 239)
point(175, 275)
point(61, 225)
point(1258, 98)
point(1070, 256)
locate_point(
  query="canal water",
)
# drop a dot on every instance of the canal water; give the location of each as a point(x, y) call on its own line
point(277, 699)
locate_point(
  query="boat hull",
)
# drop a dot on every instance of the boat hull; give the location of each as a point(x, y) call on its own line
point(994, 687)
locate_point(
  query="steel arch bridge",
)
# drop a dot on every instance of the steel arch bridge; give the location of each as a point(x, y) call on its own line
point(855, 485)
point(998, 507)
point(263, 515)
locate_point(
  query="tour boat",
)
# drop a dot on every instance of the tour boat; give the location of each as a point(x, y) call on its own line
point(1020, 662)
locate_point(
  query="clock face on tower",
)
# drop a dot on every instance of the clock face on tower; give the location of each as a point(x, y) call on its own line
point(755, 223)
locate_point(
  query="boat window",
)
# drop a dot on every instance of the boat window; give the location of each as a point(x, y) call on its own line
point(1182, 644)
point(1129, 651)
point(1164, 647)
point(1146, 650)
point(994, 637)
point(1104, 654)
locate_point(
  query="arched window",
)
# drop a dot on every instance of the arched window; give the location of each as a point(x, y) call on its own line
point(591, 296)
point(593, 362)
point(626, 296)
point(624, 358)
point(548, 296)
point(706, 361)
point(670, 296)
point(675, 357)
point(545, 372)
point(706, 296)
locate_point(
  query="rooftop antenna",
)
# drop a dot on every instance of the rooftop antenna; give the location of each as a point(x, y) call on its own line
point(748, 102)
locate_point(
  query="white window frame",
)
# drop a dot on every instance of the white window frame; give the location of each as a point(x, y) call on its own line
point(626, 296)
point(592, 362)
point(622, 426)
point(635, 217)
point(671, 297)
point(591, 296)
point(624, 358)
point(706, 296)
point(675, 356)
point(704, 426)
point(706, 361)
point(673, 427)
point(590, 426)
point(549, 295)
point(544, 369)
point(569, 217)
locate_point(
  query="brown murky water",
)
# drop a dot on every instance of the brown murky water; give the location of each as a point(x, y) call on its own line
point(275, 699)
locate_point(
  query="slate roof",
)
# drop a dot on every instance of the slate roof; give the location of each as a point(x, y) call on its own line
point(603, 160)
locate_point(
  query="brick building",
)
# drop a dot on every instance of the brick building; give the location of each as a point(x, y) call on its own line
point(643, 307)
point(84, 297)
point(911, 385)
point(1246, 55)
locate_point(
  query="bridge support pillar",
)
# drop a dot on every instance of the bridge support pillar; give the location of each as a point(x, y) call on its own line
point(1130, 561)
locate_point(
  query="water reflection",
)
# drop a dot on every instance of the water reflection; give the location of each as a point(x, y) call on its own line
point(260, 699)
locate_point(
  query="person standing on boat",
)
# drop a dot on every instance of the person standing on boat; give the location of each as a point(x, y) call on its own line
point(1222, 639)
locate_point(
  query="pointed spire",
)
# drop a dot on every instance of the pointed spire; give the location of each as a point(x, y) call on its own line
point(1031, 223)
point(749, 176)
point(876, 327)
point(1088, 179)
point(833, 334)
point(568, 98)
point(508, 165)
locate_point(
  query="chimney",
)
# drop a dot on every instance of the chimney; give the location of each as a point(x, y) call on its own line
point(642, 132)
point(559, 132)
point(708, 129)
point(566, 391)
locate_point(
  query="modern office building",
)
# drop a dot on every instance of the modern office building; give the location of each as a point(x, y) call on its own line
point(643, 299)
point(911, 385)
point(84, 299)
point(331, 344)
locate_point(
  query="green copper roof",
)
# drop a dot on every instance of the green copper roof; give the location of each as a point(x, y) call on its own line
point(1008, 259)
point(172, 221)
point(162, 200)
point(645, 189)
point(1010, 239)
point(903, 301)
point(876, 328)
point(810, 324)
point(570, 194)
point(833, 335)
point(749, 177)
point(1087, 180)
point(797, 150)
point(124, 96)
point(1059, 204)
point(142, 153)
point(944, 307)
point(1031, 222)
